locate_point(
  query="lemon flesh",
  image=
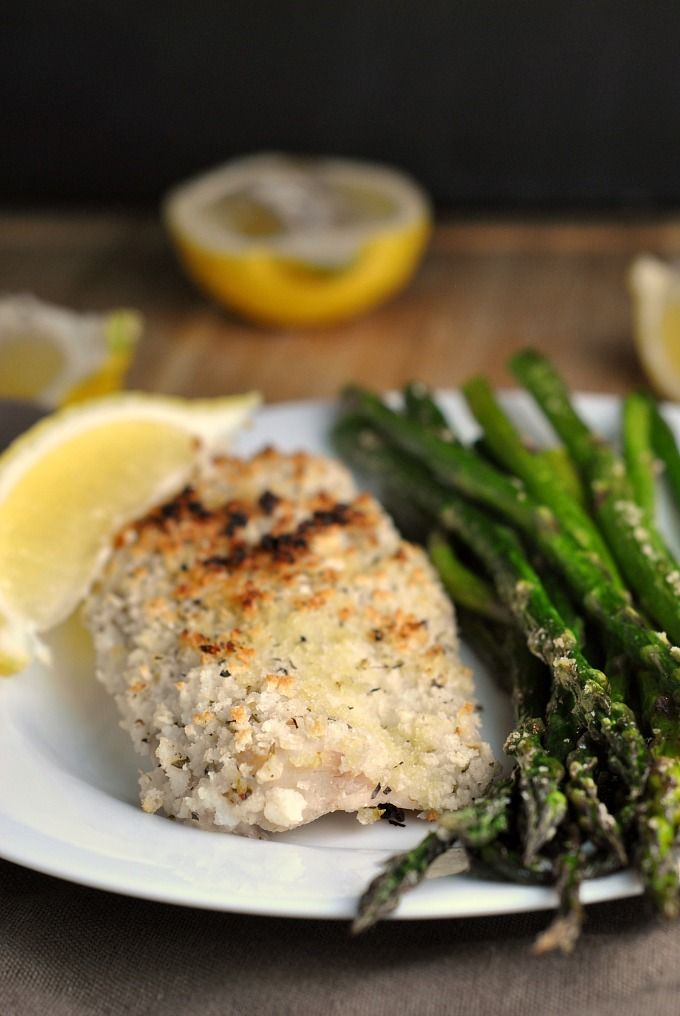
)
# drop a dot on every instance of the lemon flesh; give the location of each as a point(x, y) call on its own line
point(54, 356)
point(655, 290)
point(299, 242)
point(73, 480)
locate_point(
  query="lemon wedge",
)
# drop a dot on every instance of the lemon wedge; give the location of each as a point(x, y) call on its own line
point(70, 482)
point(655, 290)
point(53, 356)
point(289, 241)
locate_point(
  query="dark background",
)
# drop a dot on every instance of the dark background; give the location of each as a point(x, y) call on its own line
point(489, 104)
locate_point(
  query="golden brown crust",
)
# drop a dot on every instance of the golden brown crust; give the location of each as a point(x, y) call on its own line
point(280, 652)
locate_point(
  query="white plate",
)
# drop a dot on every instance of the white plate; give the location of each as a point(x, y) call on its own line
point(68, 791)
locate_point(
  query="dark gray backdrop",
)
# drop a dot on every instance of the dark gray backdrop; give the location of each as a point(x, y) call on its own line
point(488, 102)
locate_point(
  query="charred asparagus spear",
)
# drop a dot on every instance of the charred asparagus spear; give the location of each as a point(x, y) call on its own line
point(565, 929)
point(646, 562)
point(477, 825)
point(659, 814)
point(537, 473)
point(539, 773)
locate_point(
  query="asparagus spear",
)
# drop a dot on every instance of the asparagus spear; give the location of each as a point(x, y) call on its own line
point(422, 408)
point(544, 803)
point(540, 776)
point(403, 871)
point(452, 464)
point(564, 472)
point(659, 815)
point(610, 721)
point(462, 469)
point(565, 929)
point(562, 601)
point(464, 587)
point(567, 741)
point(548, 637)
point(647, 564)
point(637, 449)
point(543, 799)
point(536, 472)
point(477, 825)
point(666, 448)
point(594, 818)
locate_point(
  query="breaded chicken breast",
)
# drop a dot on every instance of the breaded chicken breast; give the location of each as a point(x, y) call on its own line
point(278, 652)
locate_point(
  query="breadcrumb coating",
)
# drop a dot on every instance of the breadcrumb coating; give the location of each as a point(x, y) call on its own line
point(278, 652)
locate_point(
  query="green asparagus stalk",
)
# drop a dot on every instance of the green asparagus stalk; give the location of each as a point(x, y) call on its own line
point(476, 825)
point(544, 803)
point(453, 465)
point(609, 722)
point(647, 565)
point(462, 469)
point(536, 472)
point(564, 472)
point(562, 602)
point(548, 637)
point(666, 448)
point(594, 818)
point(421, 407)
point(659, 815)
point(540, 775)
point(463, 586)
point(567, 742)
point(540, 771)
point(402, 872)
point(565, 929)
point(637, 450)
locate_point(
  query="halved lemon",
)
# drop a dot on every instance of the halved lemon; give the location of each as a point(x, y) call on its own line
point(292, 241)
point(70, 482)
point(53, 355)
point(655, 290)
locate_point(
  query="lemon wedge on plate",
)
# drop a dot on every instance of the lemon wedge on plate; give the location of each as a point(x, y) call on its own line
point(655, 290)
point(70, 482)
point(53, 356)
point(292, 241)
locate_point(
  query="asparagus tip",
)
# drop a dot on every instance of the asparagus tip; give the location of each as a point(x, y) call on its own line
point(562, 934)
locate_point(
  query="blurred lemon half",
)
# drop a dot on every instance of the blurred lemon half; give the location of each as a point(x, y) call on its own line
point(655, 291)
point(70, 482)
point(53, 356)
point(302, 242)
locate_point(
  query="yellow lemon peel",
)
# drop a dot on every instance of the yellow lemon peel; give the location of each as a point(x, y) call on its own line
point(53, 355)
point(290, 242)
point(655, 291)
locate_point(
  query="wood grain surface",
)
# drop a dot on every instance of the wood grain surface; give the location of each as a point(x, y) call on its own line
point(485, 288)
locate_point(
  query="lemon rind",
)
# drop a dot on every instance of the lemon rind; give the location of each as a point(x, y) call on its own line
point(335, 247)
point(208, 418)
point(654, 284)
point(87, 341)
